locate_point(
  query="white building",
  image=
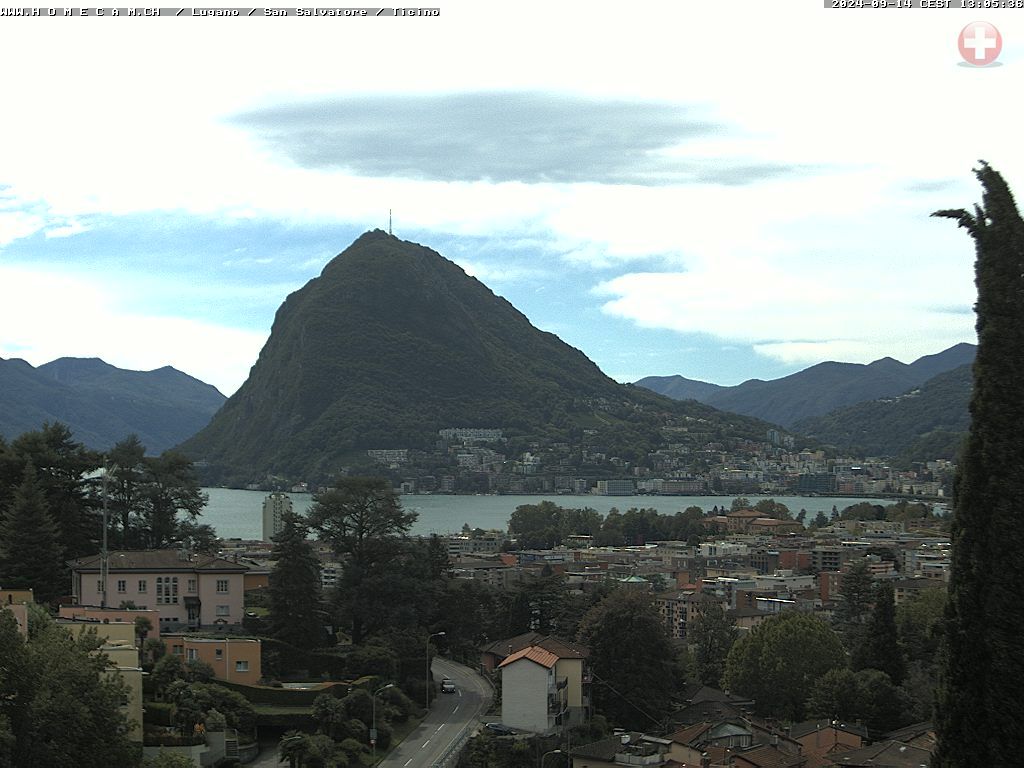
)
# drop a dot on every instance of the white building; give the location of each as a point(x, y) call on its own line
point(275, 506)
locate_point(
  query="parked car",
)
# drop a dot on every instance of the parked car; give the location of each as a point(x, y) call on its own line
point(447, 686)
point(500, 729)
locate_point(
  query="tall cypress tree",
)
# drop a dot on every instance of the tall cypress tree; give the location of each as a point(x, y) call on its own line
point(879, 648)
point(980, 709)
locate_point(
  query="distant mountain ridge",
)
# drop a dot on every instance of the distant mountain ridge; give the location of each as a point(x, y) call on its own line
point(927, 422)
point(393, 342)
point(102, 404)
point(817, 390)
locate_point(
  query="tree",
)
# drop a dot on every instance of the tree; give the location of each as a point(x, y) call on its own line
point(773, 508)
point(712, 636)
point(30, 549)
point(294, 589)
point(363, 521)
point(979, 709)
point(820, 521)
point(632, 659)
point(879, 648)
point(169, 760)
point(172, 489)
point(856, 589)
point(867, 696)
point(739, 503)
point(69, 710)
point(125, 482)
point(779, 660)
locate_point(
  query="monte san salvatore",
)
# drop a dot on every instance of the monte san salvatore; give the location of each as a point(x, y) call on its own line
point(393, 343)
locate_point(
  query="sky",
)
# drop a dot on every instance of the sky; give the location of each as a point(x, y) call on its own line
point(724, 191)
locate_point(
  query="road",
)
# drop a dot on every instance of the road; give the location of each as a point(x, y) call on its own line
point(448, 716)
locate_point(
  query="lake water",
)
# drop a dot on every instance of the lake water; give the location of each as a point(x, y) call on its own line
point(237, 514)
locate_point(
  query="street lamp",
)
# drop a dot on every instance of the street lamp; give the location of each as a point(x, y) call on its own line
point(373, 728)
point(552, 752)
point(427, 693)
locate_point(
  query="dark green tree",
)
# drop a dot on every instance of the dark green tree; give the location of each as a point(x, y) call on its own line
point(979, 707)
point(74, 705)
point(879, 647)
point(363, 521)
point(65, 469)
point(779, 660)
point(30, 549)
point(124, 486)
point(711, 636)
point(294, 589)
point(171, 490)
point(633, 660)
point(856, 591)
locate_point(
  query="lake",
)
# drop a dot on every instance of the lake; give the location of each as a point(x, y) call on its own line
point(237, 514)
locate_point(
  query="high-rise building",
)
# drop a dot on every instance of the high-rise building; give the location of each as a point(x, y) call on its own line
point(274, 507)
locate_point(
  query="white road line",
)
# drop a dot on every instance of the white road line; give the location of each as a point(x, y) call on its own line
point(456, 709)
point(425, 743)
point(407, 762)
point(439, 727)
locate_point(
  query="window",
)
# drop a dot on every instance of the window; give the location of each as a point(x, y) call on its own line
point(219, 653)
point(177, 650)
point(166, 589)
point(122, 586)
point(99, 586)
point(193, 654)
point(191, 586)
point(223, 610)
point(222, 586)
point(142, 586)
point(241, 666)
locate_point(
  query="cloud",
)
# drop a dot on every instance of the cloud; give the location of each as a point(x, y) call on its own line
point(528, 137)
point(37, 317)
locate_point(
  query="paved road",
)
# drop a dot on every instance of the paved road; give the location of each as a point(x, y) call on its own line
point(449, 715)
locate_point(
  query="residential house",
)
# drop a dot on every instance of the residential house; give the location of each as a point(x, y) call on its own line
point(113, 616)
point(232, 659)
point(189, 591)
point(882, 754)
point(544, 682)
point(623, 749)
point(822, 740)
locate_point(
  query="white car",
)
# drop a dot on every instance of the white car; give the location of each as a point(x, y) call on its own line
point(447, 686)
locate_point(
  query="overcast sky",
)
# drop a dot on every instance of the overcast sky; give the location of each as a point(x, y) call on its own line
point(724, 191)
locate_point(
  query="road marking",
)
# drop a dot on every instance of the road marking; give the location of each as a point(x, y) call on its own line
point(407, 762)
point(425, 743)
point(456, 709)
point(439, 727)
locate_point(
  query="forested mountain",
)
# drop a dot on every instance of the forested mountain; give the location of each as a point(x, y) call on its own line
point(392, 343)
point(102, 404)
point(817, 390)
point(926, 422)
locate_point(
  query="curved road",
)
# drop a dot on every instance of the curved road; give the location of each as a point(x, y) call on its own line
point(449, 717)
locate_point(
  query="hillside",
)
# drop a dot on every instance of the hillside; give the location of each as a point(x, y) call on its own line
point(393, 342)
point(925, 422)
point(817, 390)
point(102, 404)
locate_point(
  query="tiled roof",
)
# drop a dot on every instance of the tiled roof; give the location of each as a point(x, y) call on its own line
point(605, 749)
point(561, 648)
point(535, 654)
point(810, 726)
point(884, 754)
point(767, 756)
point(687, 735)
point(157, 560)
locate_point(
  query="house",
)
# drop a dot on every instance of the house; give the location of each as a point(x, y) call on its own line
point(740, 520)
point(113, 616)
point(117, 642)
point(232, 659)
point(623, 749)
point(883, 754)
point(823, 740)
point(188, 590)
point(544, 684)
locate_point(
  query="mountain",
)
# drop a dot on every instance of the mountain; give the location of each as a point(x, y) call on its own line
point(817, 390)
point(923, 423)
point(102, 404)
point(392, 343)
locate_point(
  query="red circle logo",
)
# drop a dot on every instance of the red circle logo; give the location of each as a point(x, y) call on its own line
point(980, 43)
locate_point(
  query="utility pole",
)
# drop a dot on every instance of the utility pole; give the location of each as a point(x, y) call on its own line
point(104, 554)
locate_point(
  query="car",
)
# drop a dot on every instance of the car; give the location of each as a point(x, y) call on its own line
point(447, 686)
point(500, 729)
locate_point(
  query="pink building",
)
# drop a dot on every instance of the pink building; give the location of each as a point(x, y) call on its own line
point(188, 591)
